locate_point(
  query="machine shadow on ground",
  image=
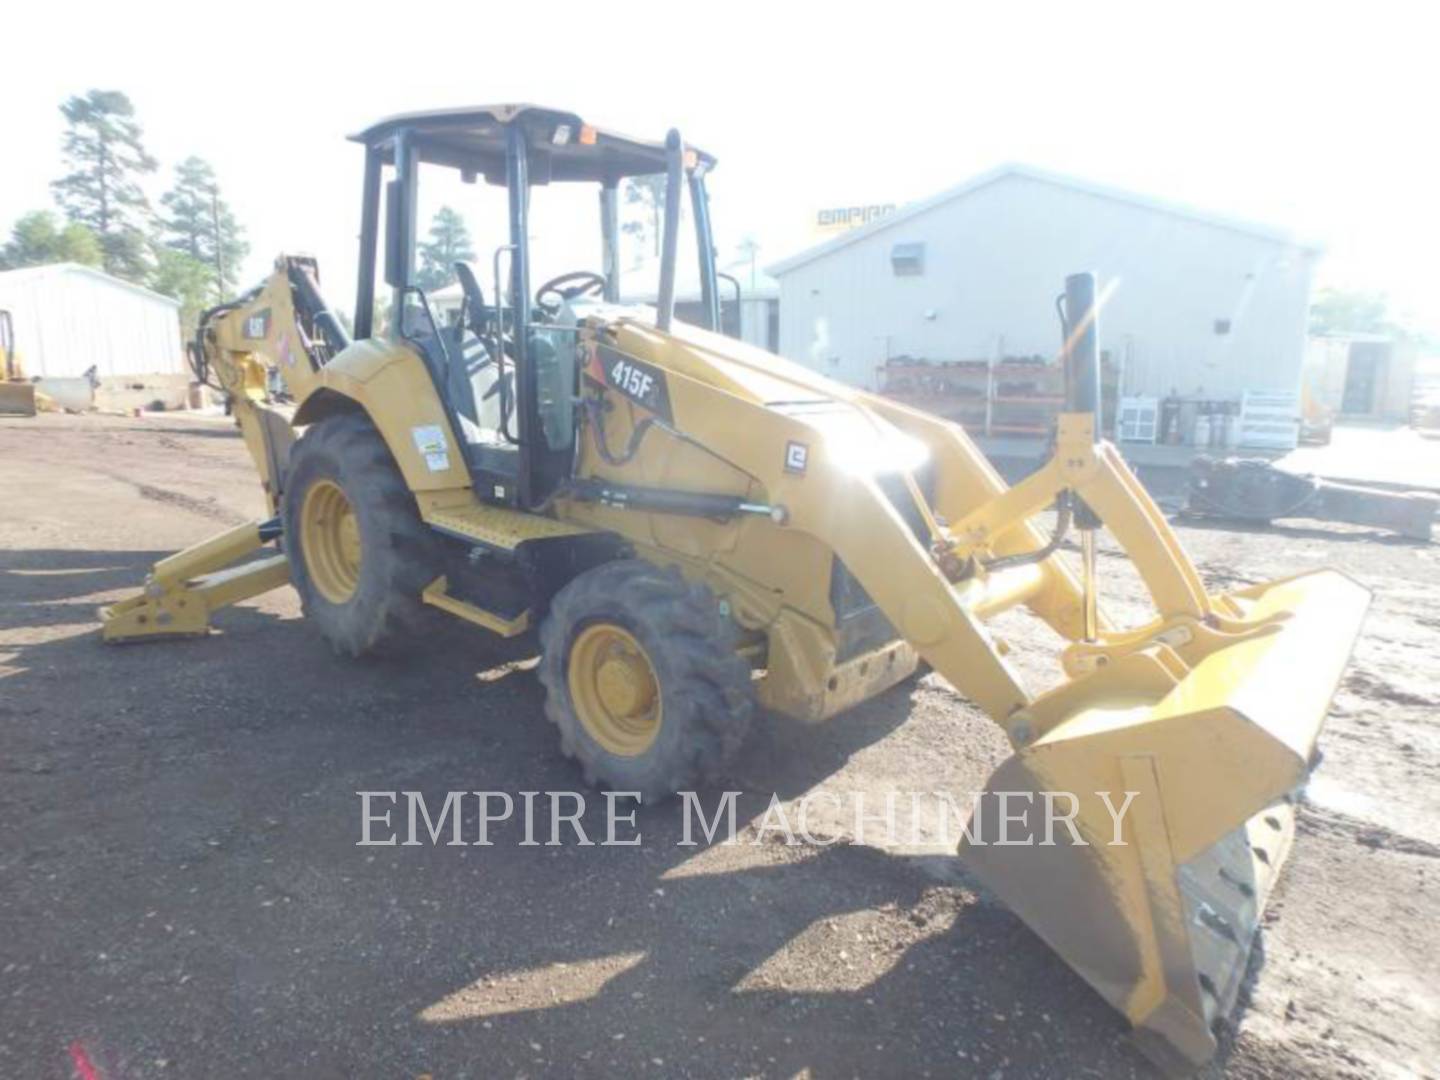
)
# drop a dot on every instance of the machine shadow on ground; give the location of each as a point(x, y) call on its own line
point(211, 786)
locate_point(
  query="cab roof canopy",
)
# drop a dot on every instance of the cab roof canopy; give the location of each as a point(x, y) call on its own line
point(562, 146)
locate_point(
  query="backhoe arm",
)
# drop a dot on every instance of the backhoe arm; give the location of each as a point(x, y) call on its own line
point(265, 351)
point(282, 329)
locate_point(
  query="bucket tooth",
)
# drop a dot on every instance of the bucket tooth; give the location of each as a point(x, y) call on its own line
point(1225, 890)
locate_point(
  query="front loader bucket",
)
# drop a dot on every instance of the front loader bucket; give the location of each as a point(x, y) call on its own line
point(1158, 911)
point(17, 398)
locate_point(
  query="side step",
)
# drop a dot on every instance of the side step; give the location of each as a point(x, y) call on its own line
point(435, 595)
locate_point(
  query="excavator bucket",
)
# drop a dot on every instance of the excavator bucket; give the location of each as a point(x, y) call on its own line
point(1160, 810)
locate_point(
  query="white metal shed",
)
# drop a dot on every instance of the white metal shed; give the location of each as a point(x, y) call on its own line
point(1196, 303)
point(69, 318)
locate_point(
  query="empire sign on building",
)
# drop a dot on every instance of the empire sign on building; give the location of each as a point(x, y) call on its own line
point(1197, 304)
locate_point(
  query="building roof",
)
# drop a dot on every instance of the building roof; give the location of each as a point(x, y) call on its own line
point(640, 283)
point(1031, 172)
point(31, 273)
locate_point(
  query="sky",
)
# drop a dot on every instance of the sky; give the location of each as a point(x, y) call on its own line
point(1313, 117)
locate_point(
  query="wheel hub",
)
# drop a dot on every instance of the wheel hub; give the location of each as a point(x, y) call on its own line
point(614, 689)
point(330, 541)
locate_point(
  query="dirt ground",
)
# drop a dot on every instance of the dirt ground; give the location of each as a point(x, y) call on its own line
point(181, 893)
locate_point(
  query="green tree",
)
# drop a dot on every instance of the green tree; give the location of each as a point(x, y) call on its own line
point(200, 223)
point(178, 275)
point(38, 238)
point(449, 243)
point(1353, 311)
point(105, 157)
point(647, 194)
point(1340, 311)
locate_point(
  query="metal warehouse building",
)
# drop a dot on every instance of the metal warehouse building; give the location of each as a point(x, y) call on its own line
point(69, 318)
point(1198, 304)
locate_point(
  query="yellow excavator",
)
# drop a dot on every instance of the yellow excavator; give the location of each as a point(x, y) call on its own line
point(700, 529)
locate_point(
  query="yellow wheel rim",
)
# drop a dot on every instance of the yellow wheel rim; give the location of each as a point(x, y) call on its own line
point(330, 541)
point(614, 689)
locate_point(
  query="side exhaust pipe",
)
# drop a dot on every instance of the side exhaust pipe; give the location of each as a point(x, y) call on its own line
point(1081, 351)
point(674, 191)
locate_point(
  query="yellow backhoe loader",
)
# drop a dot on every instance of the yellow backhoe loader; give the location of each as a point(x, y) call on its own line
point(697, 528)
point(17, 393)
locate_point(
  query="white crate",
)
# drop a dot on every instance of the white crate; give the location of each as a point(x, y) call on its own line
point(1270, 419)
point(1139, 420)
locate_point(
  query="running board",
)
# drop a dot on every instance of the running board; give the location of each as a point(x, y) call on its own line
point(496, 527)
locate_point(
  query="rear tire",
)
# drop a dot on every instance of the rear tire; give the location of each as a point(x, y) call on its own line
point(359, 553)
point(654, 733)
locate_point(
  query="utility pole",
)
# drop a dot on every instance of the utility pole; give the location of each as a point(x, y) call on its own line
point(219, 254)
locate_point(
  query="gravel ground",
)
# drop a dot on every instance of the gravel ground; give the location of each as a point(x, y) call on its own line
point(181, 893)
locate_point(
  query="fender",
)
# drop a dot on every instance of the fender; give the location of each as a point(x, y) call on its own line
point(388, 381)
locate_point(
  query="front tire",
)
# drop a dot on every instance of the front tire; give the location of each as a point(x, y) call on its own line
point(359, 553)
point(642, 678)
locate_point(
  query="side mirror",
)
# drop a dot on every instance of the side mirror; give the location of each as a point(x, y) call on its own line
point(397, 274)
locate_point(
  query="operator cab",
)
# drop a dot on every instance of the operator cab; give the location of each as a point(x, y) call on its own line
point(507, 367)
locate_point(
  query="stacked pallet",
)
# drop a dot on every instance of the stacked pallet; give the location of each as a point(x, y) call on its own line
point(1017, 395)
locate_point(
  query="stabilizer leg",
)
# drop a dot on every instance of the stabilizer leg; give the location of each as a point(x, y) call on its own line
point(184, 590)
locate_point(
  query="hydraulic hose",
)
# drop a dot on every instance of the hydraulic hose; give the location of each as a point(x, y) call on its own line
point(196, 351)
point(1040, 554)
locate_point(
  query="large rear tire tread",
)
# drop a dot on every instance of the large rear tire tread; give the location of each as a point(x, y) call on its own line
point(707, 698)
point(399, 553)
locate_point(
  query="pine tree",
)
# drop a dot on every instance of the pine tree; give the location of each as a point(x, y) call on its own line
point(102, 190)
point(187, 280)
point(201, 224)
point(37, 239)
point(449, 243)
point(647, 193)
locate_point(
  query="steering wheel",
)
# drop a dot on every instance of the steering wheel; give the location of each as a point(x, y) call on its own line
point(568, 287)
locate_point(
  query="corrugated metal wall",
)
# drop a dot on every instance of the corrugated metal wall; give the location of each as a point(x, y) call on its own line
point(755, 319)
point(68, 319)
point(996, 257)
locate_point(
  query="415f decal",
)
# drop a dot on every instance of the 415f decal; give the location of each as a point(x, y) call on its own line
point(642, 383)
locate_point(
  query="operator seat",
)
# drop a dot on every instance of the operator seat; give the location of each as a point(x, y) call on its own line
point(470, 382)
point(473, 385)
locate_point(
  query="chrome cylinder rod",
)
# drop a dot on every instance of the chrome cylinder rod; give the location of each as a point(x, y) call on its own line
point(1089, 583)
